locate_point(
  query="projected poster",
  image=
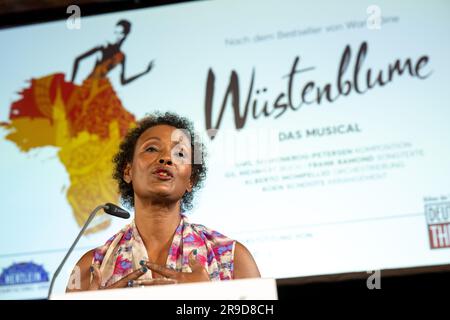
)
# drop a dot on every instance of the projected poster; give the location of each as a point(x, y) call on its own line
point(327, 130)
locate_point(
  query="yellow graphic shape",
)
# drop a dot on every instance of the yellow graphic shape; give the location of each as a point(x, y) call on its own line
point(28, 133)
point(86, 157)
point(88, 161)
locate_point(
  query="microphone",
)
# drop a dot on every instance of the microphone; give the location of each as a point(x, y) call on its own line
point(116, 211)
point(110, 209)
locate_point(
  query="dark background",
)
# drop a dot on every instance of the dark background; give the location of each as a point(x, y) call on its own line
point(22, 12)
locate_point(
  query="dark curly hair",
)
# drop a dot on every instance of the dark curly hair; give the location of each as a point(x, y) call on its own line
point(126, 152)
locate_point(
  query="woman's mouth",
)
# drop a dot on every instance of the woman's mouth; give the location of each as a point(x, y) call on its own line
point(163, 174)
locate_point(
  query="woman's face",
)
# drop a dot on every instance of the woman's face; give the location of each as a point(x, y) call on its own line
point(161, 167)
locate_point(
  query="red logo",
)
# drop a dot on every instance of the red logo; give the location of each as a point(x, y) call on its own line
point(438, 220)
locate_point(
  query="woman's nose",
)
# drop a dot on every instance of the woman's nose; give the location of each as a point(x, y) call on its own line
point(166, 160)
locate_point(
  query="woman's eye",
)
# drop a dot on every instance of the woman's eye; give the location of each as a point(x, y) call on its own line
point(151, 149)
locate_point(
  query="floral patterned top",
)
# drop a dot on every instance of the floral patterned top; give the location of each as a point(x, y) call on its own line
point(122, 253)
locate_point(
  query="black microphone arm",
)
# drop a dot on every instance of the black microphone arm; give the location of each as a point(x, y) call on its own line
point(109, 208)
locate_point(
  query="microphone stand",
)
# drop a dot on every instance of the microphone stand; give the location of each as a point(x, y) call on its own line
point(88, 221)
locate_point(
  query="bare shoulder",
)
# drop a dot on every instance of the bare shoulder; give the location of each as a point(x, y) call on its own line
point(81, 276)
point(244, 264)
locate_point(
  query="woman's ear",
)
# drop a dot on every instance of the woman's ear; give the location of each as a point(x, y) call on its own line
point(127, 174)
point(190, 186)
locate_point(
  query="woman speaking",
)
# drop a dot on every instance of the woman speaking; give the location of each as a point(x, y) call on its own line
point(158, 177)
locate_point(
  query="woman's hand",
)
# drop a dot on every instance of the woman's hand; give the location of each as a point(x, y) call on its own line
point(198, 273)
point(130, 280)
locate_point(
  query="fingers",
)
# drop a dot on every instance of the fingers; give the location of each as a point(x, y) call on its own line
point(130, 279)
point(96, 277)
point(122, 283)
point(165, 272)
point(198, 272)
point(193, 261)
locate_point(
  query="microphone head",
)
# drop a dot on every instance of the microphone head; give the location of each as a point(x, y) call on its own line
point(116, 211)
